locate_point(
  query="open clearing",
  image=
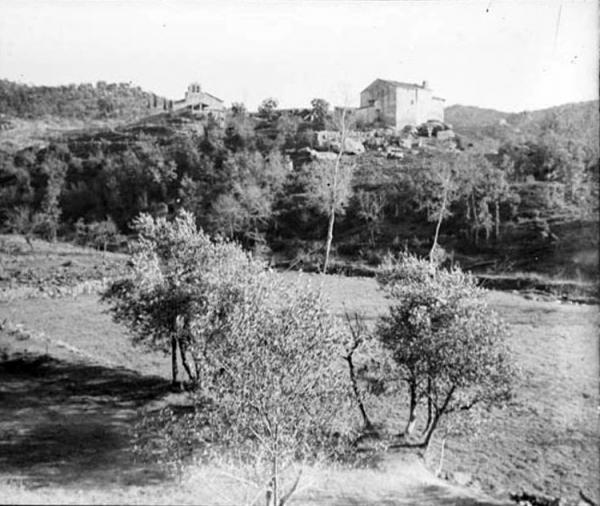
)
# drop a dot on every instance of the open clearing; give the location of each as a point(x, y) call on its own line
point(72, 384)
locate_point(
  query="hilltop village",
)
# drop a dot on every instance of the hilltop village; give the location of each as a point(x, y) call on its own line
point(393, 117)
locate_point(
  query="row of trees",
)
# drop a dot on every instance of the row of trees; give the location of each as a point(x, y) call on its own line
point(266, 360)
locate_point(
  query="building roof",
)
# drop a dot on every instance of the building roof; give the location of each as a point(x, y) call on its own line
point(212, 96)
point(396, 84)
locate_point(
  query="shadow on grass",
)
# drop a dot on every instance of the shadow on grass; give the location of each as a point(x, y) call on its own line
point(432, 495)
point(69, 423)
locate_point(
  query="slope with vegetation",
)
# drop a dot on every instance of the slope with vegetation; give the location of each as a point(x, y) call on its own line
point(39, 114)
point(265, 180)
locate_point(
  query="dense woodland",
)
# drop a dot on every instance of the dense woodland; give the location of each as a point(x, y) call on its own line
point(248, 178)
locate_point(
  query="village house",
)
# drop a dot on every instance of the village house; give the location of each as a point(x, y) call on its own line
point(199, 101)
point(396, 104)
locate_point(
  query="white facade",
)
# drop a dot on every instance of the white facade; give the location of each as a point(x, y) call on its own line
point(397, 104)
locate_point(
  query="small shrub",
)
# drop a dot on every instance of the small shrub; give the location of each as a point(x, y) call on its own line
point(98, 234)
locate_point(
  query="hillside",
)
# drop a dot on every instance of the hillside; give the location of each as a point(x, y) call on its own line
point(34, 115)
point(536, 200)
point(574, 121)
point(85, 100)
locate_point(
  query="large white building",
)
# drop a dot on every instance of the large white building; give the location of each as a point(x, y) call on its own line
point(397, 104)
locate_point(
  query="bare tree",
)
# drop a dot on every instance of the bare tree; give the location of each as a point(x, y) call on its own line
point(342, 124)
point(446, 188)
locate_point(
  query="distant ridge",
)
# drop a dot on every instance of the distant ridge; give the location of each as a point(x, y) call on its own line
point(579, 120)
point(77, 101)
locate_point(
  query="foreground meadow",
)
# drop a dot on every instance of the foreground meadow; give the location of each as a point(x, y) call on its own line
point(73, 384)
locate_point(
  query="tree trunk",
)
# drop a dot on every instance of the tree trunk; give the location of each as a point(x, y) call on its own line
point(497, 219)
point(184, 361)
point(272, 492)
point(329, 239)
point(28, 241)
point(412, 413)
point(440, 218)
point(366, 422)
point(429, 406)
point(174, 370)
point(288, 494)
point(334, 190)
point(441, 464)
point(436, 418)
point(430, 431)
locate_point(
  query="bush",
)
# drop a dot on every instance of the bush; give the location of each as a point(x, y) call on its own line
point(276, 379)
point(98, 234)
point(264, 356)
point(446, 344)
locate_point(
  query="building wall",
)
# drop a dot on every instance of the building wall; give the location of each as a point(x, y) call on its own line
point(406, 110)
point(212, 102)
point(436, 109)
point(382, 98)
point(424, 97)
point(399, 106)
point(366, 115)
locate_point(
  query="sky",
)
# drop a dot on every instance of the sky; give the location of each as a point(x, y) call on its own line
point(507, 55)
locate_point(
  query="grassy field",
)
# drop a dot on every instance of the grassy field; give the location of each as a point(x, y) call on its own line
point(72, 386)
point(47, 266)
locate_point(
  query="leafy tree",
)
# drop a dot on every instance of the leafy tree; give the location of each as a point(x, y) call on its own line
point(20, 221)
point(482, 190)
point(369, 208)
point(281, 396)
point(268, 108)
point(238, 109)
point(98, 233)
point(239, 131)
point(270, 391)
point(320, 113)
point(49, 216)
point(245, 209)
point(178, 276)
point(446, 343)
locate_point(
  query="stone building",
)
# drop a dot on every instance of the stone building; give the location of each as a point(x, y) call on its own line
point(396, 104)
point(199, 101)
